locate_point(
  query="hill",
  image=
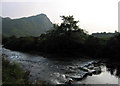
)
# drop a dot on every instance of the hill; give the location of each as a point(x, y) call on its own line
point(26, 26)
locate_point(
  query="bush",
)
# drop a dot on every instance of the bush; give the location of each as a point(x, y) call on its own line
point(12, 74)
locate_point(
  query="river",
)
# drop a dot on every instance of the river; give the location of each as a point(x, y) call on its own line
point(79, 71)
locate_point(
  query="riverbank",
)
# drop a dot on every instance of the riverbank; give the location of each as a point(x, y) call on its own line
point(14, 74)
point(59, 71)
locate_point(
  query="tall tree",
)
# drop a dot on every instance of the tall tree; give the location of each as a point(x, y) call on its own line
point(69, 23)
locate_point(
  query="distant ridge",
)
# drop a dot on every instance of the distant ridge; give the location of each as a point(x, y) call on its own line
point(104, 34)
point(26, 26)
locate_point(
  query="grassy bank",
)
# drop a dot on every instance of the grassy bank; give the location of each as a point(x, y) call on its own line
point(14, 75)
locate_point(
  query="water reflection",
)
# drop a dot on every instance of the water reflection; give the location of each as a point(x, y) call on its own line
point(113, 68)
point(107, 76)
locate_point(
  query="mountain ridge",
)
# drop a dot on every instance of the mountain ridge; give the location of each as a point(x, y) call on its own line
point(26, 26)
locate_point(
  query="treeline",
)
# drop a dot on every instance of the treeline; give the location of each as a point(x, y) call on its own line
point(104, 34)
point(66, 39)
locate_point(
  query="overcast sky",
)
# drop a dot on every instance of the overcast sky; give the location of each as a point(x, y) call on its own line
point(94, 15)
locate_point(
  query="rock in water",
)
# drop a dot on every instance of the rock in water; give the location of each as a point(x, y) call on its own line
point(69, 81)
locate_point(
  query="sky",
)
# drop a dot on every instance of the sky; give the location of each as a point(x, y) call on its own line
point(93, 15)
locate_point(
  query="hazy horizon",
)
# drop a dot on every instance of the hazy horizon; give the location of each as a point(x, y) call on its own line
point(94, 16)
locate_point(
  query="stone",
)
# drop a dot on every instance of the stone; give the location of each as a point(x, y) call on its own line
point(69, 81)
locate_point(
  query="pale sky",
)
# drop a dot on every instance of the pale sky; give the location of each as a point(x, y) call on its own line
point(94, 15)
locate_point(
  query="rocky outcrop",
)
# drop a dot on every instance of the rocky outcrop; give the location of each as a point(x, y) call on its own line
point(88, 69)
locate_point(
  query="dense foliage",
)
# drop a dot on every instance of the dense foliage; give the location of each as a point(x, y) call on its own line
point(13, 74)
point(66, 39)
point(112, 49)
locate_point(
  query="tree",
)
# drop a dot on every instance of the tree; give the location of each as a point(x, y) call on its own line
point(69, 23)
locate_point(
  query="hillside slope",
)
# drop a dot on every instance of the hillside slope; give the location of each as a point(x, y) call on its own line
point(26, 26)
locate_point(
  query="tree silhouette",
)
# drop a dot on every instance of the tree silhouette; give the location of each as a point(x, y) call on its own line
point(69, 23)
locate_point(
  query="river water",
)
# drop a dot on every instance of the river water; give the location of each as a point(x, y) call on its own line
point(60, 71)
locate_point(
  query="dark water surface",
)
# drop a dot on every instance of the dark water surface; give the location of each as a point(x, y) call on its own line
point(60, 72)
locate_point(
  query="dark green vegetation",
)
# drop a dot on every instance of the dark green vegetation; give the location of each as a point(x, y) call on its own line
point(27, 26)
point(112, 49)
point(13, 74)
point(67, 39)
